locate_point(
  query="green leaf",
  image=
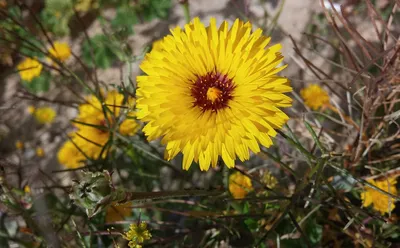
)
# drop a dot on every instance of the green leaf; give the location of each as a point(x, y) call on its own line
point(314, 231)
point(38, 84)
point(103, 55)
point(125, 20)
point(151, 9)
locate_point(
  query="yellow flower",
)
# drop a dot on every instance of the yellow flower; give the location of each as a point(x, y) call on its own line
point(70, 156)
point(27, 189)
point(19, 145)
point(314, 96)
point(137, 234)
point(45, 115)
point(31, 109)
point(381, 202)
point(29, 69)
point(213, 92)
point(60, 51)
point(93, 128)
point(118, 212)
point(239, 185)
point(39, 152)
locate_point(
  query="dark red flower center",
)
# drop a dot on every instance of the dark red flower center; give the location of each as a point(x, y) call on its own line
point(212, 91)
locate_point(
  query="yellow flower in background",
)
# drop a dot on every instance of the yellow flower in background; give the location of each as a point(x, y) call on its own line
point(44, 115)
point(31, 109)
point(314, 96)
point(213, 92)
point(70, 156)
point(29, 69)
point(39, 152)
point(60, 51)
point(137, 234)
point(19, 145)
point(27, 189)
point(239, 185)
point(118, 212)
point(381, 202)
point(93, 128)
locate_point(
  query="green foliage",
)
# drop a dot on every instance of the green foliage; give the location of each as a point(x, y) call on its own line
point(103, 55)
point(125, 19)
point(151, 9)
point(39, 84)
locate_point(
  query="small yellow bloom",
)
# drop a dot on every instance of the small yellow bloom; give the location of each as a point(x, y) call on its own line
point(314, 96)
point(86, 5)
point(118, 212)
point(137, 234)
point(239, 185)
point(129, 126)
point(27, 189)
point(39, 152)
point(29, 69)
point(381, 202)
point(45, 115)
point(19, 145)
point(60, 51)
point(31, 109)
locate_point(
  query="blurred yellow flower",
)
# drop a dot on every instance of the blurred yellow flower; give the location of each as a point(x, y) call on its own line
point(239, 185)
point(70, 156)
point(137, 234)
point(93, 128)
point(314, 96)
point(31, 109)
point(19, 145)
point(381, 202)
point(118, 212)
point(29, 69)
point(27, 189)
point(60, 51)
point(45, 115)
point(213, 92)
point(39, 152)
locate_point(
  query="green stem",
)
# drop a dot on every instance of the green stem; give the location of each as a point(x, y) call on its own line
point(186, 11)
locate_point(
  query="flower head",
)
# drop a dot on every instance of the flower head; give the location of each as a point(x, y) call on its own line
point(239, 185)
point(19, 145)
point(118, 212)
point(213, 92)
point(93, 127)
point(60, 51)
point(137, 234)
point(314, 96)
point(29, 69)
point(39, 152)
point(31, 109)
point(381, 202)
point(45, 115)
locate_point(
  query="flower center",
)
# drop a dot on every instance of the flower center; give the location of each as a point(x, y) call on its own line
point(212, 91)
point(213, 94)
